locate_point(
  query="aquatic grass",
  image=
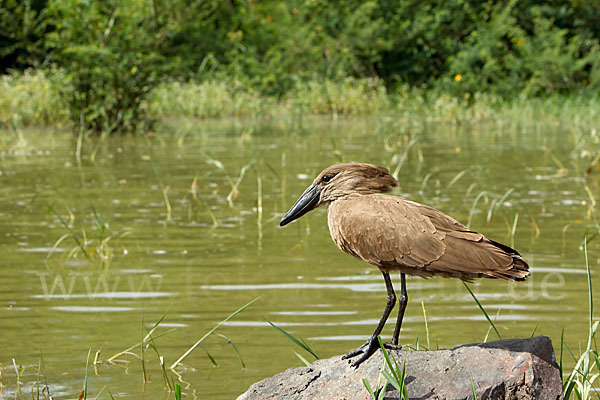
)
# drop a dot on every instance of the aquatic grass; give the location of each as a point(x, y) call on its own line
point(84, 391)
point(493, 326)
point(379, 392)
point(562, 347)
point(146, 339)
point(497, 203)
point(493, 207)
point(487, 334)
point(473, 385)
point(30, 98)
point(426, 325)
point(394, 375)
point(165, 193)
point(581, 380)
point(349, 96)
point(513, 229)
point(234, 192)
point(210, 332)
point(235, 348)
point(33, 98)
point(193, 191)
point(18, 370)
point(166, 382)
point(259, 210)
point(99, 247)
point(534, 329)
point(300, 342)
point(209, 99)
point(398, 160)
point(457, 177)
point(480, 195)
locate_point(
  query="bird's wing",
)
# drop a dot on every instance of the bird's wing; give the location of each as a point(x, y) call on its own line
point(384, 230)
point(394, 233)
point(471, 253)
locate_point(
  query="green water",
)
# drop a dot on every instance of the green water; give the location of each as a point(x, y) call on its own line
point(174, 244)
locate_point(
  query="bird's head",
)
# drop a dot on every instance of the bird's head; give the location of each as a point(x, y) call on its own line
point(341, 180)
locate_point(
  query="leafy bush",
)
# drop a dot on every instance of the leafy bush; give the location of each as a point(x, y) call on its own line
point(506, 56)
point(23, 29)
point(110, 54)
point(30, 98)
point(113, 53)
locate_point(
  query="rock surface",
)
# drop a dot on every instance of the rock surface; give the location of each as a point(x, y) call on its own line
point(520, 369)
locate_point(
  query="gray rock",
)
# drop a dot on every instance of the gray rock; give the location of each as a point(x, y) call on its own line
point(520, 369)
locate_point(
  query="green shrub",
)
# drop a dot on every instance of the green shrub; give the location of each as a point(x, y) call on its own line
point(110, 54)
point(24, 25)
point(30, 98)
point(504, 56)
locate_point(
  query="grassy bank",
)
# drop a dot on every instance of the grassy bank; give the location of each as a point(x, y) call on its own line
point(33, 99)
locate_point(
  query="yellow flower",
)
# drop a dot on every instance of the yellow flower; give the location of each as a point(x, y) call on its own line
point(519, 42)
point(319, 28)
point(457, 77)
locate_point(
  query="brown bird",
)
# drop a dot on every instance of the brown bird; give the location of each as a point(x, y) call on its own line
point(396, 234)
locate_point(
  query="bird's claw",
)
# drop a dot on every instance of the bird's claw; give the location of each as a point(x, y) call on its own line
point(355, 352)
point(367, 350)
point(391, 346)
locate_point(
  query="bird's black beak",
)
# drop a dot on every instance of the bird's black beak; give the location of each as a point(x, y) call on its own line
point(308, 201)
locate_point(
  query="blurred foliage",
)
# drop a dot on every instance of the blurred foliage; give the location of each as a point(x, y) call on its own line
point(23, 28)
point(112, 54)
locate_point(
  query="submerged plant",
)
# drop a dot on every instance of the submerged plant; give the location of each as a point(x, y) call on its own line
point(97, 246)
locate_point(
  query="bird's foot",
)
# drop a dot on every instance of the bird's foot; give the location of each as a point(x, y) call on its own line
point(367, 350)
point(392, 346)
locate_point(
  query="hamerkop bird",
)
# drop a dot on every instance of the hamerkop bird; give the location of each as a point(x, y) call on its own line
point(396, 234)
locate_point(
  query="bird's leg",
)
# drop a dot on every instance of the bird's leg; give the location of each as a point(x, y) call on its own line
point(372, 344)
point(402, 302)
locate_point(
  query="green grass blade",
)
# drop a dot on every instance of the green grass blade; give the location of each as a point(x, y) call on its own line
point(68, 228)
point(589, 278)
point(535, 328)
point(38, 380)
point(237, 351)
point(85, 380)
point(568, 389)
point(483, 310)
point(304, 360)
point(369, 389)
point(302, 344)
point(426, 325)
point(100, 392)
point(387, 359)
point(233, 314)
point(404, 392)
point(582, 366)
point(177, 391)
point(391, 379)
point(473, 386)
point(570, 352)
point(562, 344)
point(210, 357)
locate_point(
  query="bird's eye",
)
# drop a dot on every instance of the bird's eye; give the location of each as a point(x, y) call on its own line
point(326, 178)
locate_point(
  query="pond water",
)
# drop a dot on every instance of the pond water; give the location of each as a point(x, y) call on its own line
point(185, 224)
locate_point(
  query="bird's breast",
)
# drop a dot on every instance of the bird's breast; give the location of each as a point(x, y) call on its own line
point(343, 227)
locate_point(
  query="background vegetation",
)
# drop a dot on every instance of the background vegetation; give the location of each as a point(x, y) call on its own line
point(105, 60)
